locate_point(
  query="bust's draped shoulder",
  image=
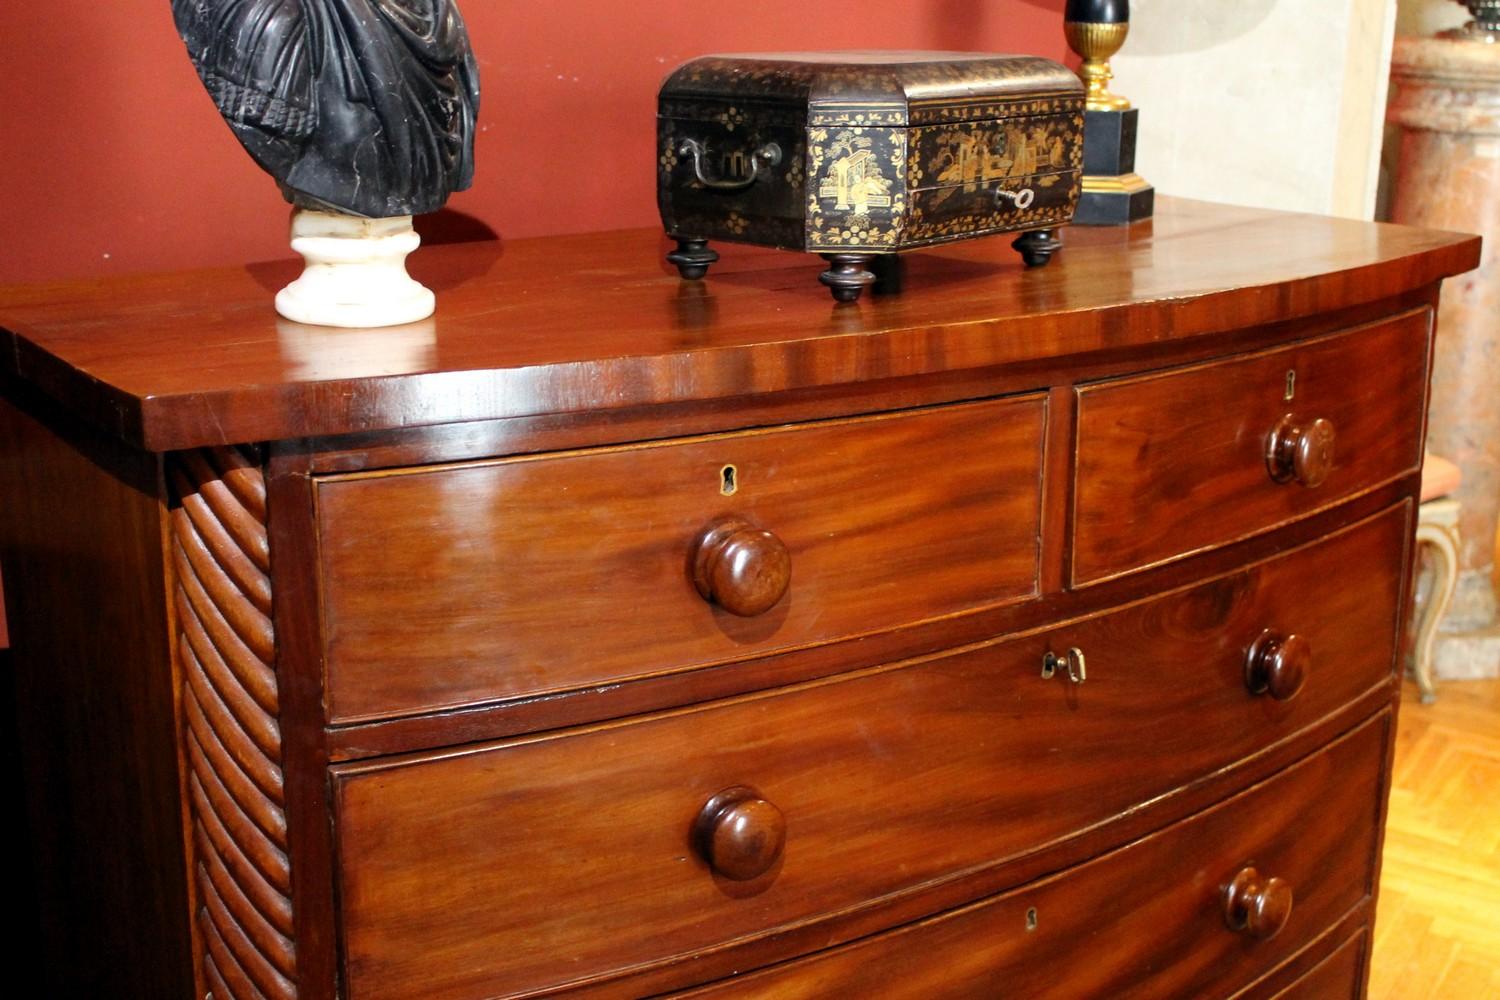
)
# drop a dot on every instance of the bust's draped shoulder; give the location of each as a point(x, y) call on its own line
point(363, 106)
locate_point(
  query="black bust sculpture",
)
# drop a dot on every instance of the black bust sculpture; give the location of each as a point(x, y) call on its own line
point(365, 107)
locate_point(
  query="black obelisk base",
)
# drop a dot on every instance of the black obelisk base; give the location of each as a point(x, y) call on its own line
point(1113, 193)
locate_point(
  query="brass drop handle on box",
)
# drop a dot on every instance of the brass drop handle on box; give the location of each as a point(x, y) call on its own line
point(1259, 907)
point(740, 834)
point(768, 155)
point(1301, 452)
point(1072, 661)
point(743, 569)
point(1277, 664)
point(1021, 199)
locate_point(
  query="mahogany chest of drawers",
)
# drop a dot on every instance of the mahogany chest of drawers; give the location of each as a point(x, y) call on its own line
point(1027, 633)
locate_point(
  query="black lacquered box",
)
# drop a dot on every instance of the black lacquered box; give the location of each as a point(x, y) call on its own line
point(854, 155)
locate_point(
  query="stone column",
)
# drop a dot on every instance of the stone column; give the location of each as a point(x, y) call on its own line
point(1446, 98)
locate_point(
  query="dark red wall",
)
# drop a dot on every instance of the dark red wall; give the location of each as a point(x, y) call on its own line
point(112, 158)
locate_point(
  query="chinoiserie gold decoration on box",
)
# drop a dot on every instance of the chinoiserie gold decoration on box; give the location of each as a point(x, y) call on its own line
point(854, 155)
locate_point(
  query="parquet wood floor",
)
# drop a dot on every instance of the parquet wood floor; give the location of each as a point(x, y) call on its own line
point(1437, 930)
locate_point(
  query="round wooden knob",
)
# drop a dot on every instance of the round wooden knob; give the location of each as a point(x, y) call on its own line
point(1277, 665)
point(743, 569)
point(740, 834)
point(1257, 906)
point(1303, 452)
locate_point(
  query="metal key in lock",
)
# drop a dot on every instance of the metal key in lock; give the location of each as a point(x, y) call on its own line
point(1021, 199)
point(1072, 661)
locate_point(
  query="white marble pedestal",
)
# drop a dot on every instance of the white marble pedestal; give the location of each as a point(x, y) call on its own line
point(356, 272)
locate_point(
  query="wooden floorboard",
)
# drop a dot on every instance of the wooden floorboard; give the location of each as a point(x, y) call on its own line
point(1437, 932)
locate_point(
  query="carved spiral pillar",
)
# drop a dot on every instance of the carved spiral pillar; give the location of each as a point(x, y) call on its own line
point(230, 706)
point(1446, 97)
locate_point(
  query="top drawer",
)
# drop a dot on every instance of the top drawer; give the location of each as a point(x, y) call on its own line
point(1180, 461)
point(461, 584)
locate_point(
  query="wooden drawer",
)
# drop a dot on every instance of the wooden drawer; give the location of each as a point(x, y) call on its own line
point(491, 870)
point(455, 585)
point(1145, 921)
point(1339, 976)
point(1176, 462)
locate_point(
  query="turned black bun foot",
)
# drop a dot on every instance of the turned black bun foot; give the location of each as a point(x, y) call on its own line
point(1037, 246)
point(692, 257)
point(848, 274)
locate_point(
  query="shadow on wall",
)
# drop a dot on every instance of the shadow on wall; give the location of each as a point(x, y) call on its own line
point(1167, 27)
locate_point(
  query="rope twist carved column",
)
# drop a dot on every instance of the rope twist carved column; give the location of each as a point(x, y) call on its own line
point(226, 645)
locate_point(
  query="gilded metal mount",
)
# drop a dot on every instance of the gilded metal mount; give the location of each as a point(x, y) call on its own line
point(1096, 43)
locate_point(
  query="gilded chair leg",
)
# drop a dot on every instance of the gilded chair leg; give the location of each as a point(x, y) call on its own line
point(1441, 538)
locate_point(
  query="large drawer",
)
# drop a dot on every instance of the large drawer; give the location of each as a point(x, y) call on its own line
point(1176, 462)
point(1147, 921)
point(456, 585)
point(1339, 976)
point(492, 870)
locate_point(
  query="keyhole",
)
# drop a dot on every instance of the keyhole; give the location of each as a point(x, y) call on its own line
point(729, 480)
point(1291, 385)
point(1031, 920)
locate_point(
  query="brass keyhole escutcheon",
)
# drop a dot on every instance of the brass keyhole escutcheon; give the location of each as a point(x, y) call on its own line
point(729, 481)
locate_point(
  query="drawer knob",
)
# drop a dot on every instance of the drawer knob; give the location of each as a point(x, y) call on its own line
point(740, 834)
point(743, 569)
point(1277, 664)
point(1257, 906)
point(1303, 452)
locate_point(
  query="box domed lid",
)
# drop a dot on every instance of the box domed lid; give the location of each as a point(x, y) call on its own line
point(895, 83)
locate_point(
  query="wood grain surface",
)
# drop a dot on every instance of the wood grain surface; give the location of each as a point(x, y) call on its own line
point(447, 586)
point(888, 780)
point(1175, 462)
point(630, 633)
point(83, 539)
point(1344, 947)
point(1339, 975)
point(516, 716)
point(1146, 921)
point(599, 322)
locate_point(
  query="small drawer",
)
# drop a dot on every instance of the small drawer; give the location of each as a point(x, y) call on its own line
point(491, 870)
point(1176, 462)
point(1153, 920)
point(456, 585)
